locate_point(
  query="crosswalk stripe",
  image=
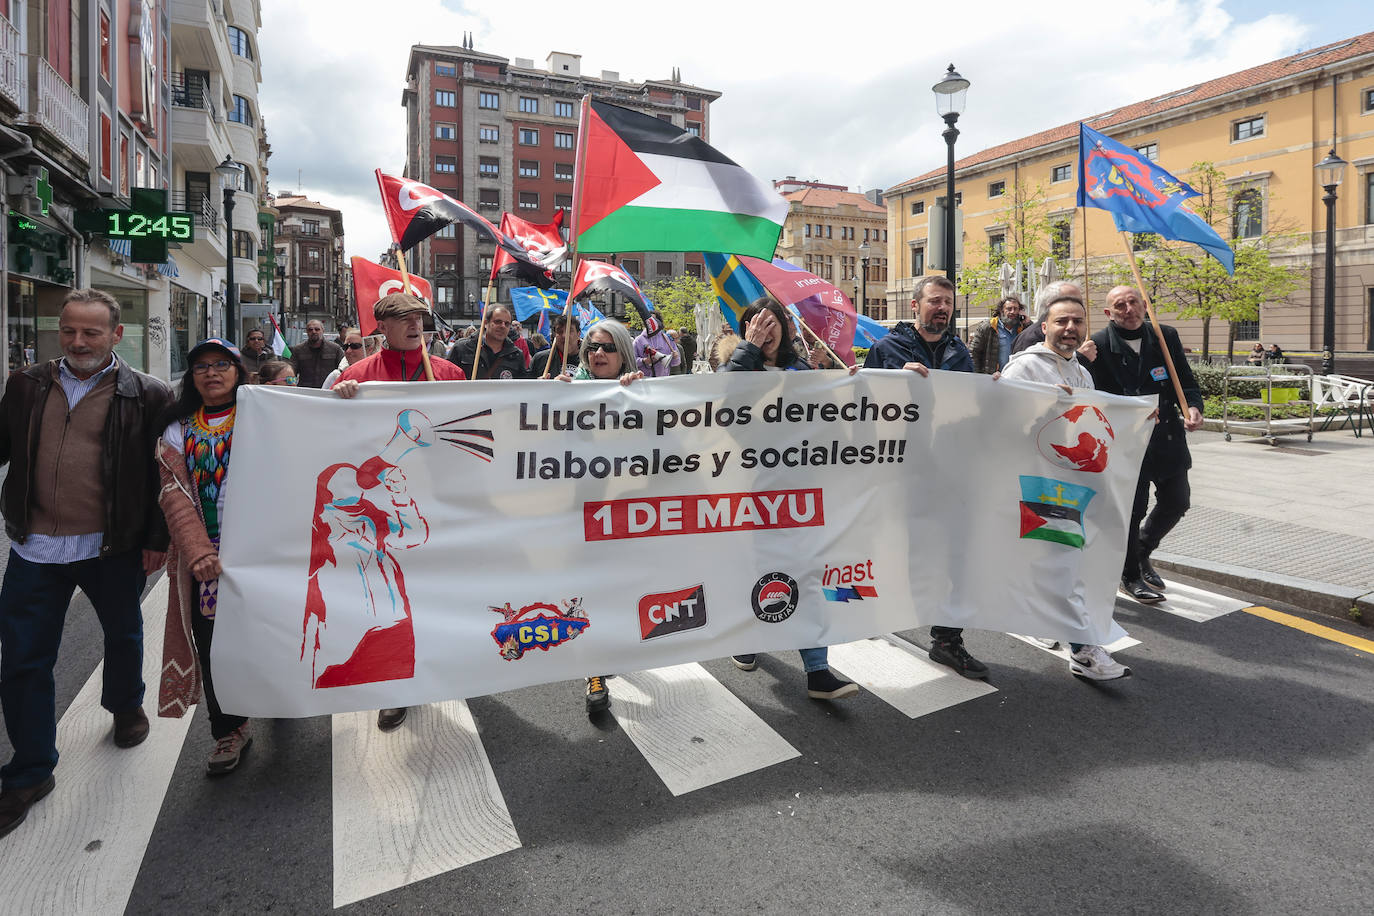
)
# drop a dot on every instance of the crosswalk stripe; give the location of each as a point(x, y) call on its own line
point(691, 729)
point(890, 668)
point(1191, 603)
point(413, 803)
point(1062, 650)
point(81, 848)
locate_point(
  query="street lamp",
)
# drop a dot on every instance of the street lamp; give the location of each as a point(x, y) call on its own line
point(949, 102)
point(1330, 171)
point(230, 173)
point(855, 278)
point(863, 259)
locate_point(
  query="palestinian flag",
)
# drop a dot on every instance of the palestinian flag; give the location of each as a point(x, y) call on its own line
point(645, 185)
point(278, 344)
point(1052, 510)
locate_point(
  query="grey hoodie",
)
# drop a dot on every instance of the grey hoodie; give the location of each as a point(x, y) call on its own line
point(1041, 364)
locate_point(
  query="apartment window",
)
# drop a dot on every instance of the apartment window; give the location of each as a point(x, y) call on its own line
point(562, 201)
point(445, 262)
point(447, 164)
point(1246, 330)
point(447, 232)
point(312, 293)
point(808, 230)
point(693, 270)
point(819, 230)
point(1061, 173)
point(918, 261)
point(865, 235)
point(484, 264)
point(829, 232)
point(563, 171)
point(445, 131)
point(958, 198)
point(248, 182)
point(310, 227)
point(1061, 240)
point(243, 245)
point(313, 259)
point(666, 117)
point(1368, 96)
point(529, 168)
point(694, 129)
point(104, 46)
point(1250, 127)
point(105, 141)
point(563, 109)
point(562, 140)
point(997, 189)
point(529, 104)
point(488, 100)
point(488, 199)
point(239, 43)
point(663, 268)
point(242, 112)
point(630, 266)
point(529, 200)
point(693, 103)
point(884, 235)
point(997, 247)
point(1149, 150)
point(445, 70)
point(529, 137)
point(445, 98)
point(1369, 198)
point(918, 207)
point(1247, 215)
point(489, 135)
point(489, 167)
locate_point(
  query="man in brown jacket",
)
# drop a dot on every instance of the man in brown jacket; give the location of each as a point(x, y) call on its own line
point(990, 341)
point(80, 507)
point(316, 358)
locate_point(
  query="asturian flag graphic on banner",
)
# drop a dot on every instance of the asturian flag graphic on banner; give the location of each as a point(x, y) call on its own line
point(373, 281)
point(452, 540)
point(644, 185)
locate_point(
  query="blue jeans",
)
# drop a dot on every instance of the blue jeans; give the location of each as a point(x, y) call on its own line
point(815, 659)
point(33, 607)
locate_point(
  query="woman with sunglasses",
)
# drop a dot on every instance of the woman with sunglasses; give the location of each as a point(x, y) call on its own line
point(767, 347)
point(355, 349)
point(193, 459)
point(277, 372)
point(607, 353)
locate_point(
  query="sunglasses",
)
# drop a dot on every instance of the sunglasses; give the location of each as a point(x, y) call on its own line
point(600, 345)
point(219, 365)
point(352, 346)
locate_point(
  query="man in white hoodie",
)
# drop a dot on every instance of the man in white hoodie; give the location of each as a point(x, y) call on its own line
point(1055, 362)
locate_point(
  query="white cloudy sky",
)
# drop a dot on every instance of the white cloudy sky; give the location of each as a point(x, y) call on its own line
point(813, 89)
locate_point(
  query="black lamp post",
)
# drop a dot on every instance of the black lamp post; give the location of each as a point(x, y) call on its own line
point(231, 173)
point(1330, 171)
point(863, 260)
point(949, 102)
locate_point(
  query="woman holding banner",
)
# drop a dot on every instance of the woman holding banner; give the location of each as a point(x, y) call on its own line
point(767, 347)
point(607, 353)
point(193, 459)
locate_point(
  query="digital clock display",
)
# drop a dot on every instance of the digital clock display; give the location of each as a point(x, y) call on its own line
point(172, 227)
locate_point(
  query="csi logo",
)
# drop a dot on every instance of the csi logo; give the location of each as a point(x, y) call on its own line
point(774, 597)
point(672, 612)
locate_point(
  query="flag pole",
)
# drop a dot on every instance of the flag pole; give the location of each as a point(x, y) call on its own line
point(1087, 310)
point(1154, 322)
point(482, 329)
point(424, 347)
point(567, 310)
point(807, 328)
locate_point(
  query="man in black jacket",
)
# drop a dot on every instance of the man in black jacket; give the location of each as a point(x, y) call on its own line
point(501, 358)
point(315, 359)
point(80, 506)
point(1128, 360)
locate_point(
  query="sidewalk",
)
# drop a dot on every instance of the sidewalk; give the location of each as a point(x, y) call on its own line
point(1292, 522)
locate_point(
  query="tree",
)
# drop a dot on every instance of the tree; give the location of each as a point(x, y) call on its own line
point(675, 299)
point(1027, 237)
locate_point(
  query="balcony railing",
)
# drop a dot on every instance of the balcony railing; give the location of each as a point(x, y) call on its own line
point(189, 90)
point(14, 80)
point(62, 111)
point(199, 204)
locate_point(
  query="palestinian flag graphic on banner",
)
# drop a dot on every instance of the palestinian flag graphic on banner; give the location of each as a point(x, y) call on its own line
point(645, 185)
point(1052, 510)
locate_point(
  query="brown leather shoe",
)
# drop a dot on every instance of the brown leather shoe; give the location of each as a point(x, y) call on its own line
point(130, 727)
point(390, 719)
point(15, 803)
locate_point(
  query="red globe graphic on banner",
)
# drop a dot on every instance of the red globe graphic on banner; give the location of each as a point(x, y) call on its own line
point(1077, 440)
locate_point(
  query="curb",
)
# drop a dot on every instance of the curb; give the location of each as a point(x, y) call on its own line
point(1323, 597)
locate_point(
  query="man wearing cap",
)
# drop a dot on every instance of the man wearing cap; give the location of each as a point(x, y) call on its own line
point(80, 507)
point(401, 319)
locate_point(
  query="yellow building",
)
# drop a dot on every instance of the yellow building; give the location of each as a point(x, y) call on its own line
point(1266, 128)
point(830, 231)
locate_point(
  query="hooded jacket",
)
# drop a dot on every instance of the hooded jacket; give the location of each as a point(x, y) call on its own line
point(905, 345)
point(1041, 364)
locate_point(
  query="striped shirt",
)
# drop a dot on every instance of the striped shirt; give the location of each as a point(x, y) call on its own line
point(68, 548)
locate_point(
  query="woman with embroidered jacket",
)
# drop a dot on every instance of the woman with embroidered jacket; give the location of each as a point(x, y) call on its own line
point(193, 459)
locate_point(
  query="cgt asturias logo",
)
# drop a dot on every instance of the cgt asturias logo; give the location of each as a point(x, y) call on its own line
point(849, 581)
point(672, 612)
point(774, 597)
point(537, 626)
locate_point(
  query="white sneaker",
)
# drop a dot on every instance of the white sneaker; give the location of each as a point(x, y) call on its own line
point(1097, 664)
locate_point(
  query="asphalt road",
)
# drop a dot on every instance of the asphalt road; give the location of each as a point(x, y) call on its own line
point(1228, 775)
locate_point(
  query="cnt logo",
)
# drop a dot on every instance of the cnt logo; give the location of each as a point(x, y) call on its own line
point(849, 582)
point(774, 597)
point(665, 613)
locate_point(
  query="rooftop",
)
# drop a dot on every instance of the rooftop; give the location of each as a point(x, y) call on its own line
point(829, 198)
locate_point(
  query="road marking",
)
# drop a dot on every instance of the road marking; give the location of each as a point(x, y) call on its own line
point(1196, 604)
point(1062, 650)
point(413, 803)
point(890, 668)
point(691, 729)
point(81, 848)
point(1314, 629)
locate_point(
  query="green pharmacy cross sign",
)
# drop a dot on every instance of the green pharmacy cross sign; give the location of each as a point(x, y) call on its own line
point(147, 225)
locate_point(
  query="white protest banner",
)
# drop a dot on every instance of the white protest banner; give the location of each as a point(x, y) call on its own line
point(431, 541)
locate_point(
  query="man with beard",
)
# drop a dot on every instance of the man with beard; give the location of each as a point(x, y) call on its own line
point(1129, 361)
point(501, 358)
point(991, 340)
point(567, 339)
point(1055, 362)
point(931, 344)
point(316, 358)
point(1034, 333)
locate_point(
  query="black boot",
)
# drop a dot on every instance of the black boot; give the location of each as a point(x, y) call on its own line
point(1148, 574)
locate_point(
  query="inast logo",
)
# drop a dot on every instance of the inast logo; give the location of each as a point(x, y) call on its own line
point(672, 612)
point(774, 597)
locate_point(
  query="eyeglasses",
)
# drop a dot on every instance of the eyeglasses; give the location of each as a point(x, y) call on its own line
point(219, 365)
point(600, 345)
point(352, 346)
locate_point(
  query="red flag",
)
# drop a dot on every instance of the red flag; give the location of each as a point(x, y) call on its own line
point(373, 281)
point(543, 241)
point(827, 311)
point(598, 275)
